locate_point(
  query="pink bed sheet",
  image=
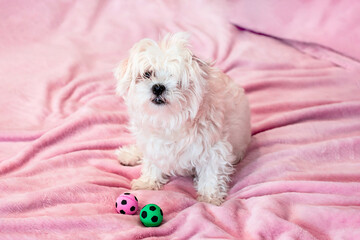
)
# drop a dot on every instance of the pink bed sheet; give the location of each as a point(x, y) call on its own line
point(331, 23)
point(60, 123)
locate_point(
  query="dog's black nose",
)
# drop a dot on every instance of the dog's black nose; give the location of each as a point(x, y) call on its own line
point(158, 89)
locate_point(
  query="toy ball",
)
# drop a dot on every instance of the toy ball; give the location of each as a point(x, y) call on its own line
point(126, 203)
point(151, 215)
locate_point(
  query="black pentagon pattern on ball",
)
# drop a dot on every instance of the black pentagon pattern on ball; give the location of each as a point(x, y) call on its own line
point(123, 202)
point(115, 204)
point(135, 198)
point(132, 208)
point(144, 214)
point(154, 219)
point(152, 208)
point(126, 193)
point(122, 211)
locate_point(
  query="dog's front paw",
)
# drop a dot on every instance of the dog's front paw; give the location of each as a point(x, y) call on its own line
point(145, 184)
point(212, 200)
point(129, 155)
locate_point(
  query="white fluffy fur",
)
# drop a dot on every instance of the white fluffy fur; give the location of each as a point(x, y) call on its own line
point(202, 130)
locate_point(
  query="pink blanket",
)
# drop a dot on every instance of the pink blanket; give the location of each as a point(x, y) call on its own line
point(60, 123)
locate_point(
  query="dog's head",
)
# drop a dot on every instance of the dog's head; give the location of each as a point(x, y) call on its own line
point(162, 81)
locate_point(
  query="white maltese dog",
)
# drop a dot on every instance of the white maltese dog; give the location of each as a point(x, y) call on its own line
point(188, 117)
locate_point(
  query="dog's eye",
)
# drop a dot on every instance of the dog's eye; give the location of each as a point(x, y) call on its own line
point(147, 74)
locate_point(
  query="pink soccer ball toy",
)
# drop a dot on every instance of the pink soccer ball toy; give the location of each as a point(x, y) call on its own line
point(126, 203)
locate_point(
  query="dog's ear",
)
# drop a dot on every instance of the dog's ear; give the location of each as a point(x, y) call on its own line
point(201, 63)
point(201, 66)
point(122, 75)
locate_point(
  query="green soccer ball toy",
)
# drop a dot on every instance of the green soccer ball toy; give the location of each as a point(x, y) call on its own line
point(151, 215)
